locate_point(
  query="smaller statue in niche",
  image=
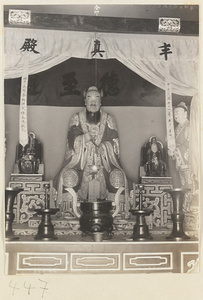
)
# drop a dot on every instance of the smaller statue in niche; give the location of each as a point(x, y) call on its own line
point(29, 157)
point(154, 158)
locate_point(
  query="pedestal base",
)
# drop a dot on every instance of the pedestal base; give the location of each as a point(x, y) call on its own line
point(141, 233)
point(9, 235)
point(10, 194)
point(177, 233)
point(177, 216)
point(46, 228)
point(178, 238)
point(141, 230)
point(45, 237)
point(12, 238)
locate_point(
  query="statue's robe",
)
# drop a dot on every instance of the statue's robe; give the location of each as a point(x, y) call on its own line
point(81, 156)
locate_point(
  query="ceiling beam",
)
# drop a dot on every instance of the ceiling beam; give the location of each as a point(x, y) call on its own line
point(101, 24)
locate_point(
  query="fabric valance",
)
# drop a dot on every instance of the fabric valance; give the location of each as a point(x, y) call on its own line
point(140, 53)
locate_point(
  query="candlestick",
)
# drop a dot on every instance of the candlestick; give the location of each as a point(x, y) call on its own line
point(46, 228)
point(47, 199)
point(140, 201)
point(177, 215)
point(10, 195)
point(141, 188)
point(141, 230)
point(134, 196)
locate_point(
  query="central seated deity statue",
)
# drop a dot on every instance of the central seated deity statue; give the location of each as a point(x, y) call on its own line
point(91, 166)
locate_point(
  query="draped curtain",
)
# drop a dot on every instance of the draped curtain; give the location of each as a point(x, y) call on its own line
point(140, 53)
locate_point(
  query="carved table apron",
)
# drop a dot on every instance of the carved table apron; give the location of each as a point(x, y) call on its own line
point(114, 256)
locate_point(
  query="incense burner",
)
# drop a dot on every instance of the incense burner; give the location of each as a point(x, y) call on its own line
point(96, 216)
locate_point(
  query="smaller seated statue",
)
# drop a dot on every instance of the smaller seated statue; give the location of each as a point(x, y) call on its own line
point(28, 158)
point(154, 158)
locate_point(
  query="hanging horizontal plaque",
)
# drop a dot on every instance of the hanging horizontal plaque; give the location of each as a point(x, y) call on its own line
point(19, 17)
point(169, 24)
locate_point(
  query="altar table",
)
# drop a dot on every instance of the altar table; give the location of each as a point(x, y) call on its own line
point(76, 254)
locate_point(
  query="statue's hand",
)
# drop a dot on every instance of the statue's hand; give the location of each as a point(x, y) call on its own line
point(94, 132)
point(170, 153)
point(183, 167)
point(87, 137)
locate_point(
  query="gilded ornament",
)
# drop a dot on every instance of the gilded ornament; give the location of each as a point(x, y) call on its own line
point(116, 146)
point(111, 123)
point(116, 178)
point(74, 120)
point(70, 178)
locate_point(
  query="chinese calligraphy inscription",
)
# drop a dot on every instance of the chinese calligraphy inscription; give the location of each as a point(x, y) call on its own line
point(69, 84)
point(29, 45)
point(97, 49)
point(165, 50)
point(109, 84)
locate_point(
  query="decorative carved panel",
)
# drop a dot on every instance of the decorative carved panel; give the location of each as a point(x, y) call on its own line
point(41, 261)
point(95, 261)
point(160, 202)
point(189, 262)
point(147, 261)
point(28, 200)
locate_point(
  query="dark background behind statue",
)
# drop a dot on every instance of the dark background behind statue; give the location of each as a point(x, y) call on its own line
point(54, 95)
point(63, 84)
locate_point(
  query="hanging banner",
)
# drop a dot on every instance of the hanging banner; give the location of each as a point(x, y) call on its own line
point(165, 50)
point(23, 124)
point(170, 121)
point(169, 111)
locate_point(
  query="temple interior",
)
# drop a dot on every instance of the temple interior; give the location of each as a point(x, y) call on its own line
point(137, 209)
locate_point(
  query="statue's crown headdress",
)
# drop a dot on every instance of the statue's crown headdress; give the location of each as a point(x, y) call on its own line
point(93, 88)
point(183, 105)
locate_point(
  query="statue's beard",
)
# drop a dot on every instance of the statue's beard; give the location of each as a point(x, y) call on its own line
point(93, 117)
